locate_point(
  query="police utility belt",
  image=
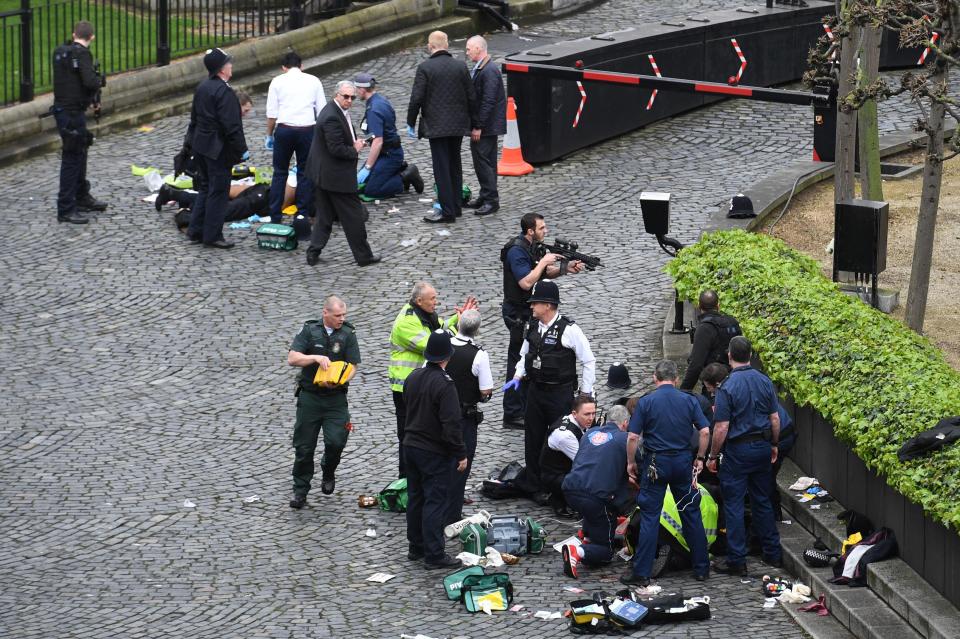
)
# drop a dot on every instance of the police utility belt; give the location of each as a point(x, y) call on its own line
point(392, 144)
point(764, 435)
point(470, 411)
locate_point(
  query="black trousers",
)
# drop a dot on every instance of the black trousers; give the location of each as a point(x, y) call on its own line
point(484, 155)
point(448, 173)
point(401, 409)
point(429, 476)
point(545, 405)
point(348, 208)
point(213, 194)
point(458, 486)
point(515, 401)
point(72, 126)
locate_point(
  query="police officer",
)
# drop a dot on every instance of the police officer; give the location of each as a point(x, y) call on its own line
point(552, 346)
point(747, 430)
point(76, 86)
point(664, 418)
point(384, 173)
point(408, 338)
point(215, 135)
point(470, 370)
point(561, 445)
point(433, 450)
point(521, 270)
point(711, 338)
point(596, 483)
point(321, 407)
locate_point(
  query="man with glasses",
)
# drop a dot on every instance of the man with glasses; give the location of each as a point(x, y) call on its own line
point(333, 169)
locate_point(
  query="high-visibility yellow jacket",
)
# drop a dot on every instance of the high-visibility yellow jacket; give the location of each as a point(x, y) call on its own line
point(408, 339)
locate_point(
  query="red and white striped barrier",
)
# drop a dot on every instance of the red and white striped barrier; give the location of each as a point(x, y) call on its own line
point(583, 100)
point(833, 56)
point(743, 63)
point(926, 52)
point(656, 70)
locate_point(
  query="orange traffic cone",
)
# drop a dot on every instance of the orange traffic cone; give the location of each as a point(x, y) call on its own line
point(511, 161)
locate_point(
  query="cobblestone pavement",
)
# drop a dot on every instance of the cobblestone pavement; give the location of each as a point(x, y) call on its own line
point(141, 372)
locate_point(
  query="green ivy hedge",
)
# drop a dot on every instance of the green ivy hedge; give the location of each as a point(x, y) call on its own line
point(878, 382)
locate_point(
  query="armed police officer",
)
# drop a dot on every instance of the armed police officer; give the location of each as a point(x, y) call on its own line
point(664, 418)
point(595, 487)
point(76, 86)
point(747, 430)
point(522, 268)
point(433, 450)
point(561, 445)
point(384, 173)
point(552, 346)
point(321, 407)
point(711, 338)
point(470, 369)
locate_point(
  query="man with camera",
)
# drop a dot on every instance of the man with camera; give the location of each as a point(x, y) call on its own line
point(76, 86)
point(522, 268)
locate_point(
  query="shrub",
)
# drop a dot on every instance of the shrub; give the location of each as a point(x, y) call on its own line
point(877, 381)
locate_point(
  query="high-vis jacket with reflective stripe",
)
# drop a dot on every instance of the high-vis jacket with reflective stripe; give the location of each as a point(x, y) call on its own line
point(408, 339)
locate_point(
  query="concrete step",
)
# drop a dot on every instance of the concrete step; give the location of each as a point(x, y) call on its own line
point(913, 602)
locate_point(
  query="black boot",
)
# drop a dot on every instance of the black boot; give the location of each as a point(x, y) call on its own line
point(72, 218)
point(90, 203)
point(411, 176)
point(163, 196)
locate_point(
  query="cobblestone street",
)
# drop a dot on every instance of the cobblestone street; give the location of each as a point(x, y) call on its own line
point(141, 371)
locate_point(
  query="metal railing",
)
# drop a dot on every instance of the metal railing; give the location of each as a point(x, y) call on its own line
point(131, 34)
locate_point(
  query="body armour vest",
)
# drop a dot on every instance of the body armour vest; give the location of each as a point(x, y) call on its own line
point(511, 289)
point(727, 328)
point(554, 462)
point(459, 369)
point(548, 361)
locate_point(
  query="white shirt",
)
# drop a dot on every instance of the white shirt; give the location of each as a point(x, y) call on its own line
point(573, 338)
point(346, 114)
point(481, 363)
point(564, 440)
point(295, 98)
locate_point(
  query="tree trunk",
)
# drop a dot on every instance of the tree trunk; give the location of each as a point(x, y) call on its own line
point(871, 182)
point(929, 203)
point(846, 117)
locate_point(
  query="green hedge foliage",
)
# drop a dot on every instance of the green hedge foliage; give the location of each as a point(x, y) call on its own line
point(878, 382)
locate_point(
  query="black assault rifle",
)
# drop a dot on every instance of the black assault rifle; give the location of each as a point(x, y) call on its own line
point(567, 250)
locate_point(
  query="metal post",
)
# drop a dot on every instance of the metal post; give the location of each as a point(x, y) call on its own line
point(296, 15)
point(26, 51)
point(678, 326)
point(261, 22)
point(163, 33)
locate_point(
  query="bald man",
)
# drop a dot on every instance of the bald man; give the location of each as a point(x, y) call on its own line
point(491, 122)
point(710, 341)
point(443, 98)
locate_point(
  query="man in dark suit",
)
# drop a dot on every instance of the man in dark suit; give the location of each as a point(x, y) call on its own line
point(444, 99)
point(215, 136)
point(491, 122)
point(332, 166)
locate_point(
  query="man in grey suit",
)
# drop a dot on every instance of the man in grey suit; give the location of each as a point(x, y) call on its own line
point(443, 97)
point(332, 166)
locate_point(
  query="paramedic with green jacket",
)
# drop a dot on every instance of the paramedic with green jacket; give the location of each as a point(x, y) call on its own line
point(408, 339)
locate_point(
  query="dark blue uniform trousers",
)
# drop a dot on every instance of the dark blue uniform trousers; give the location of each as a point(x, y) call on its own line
point(210, 207)
point(674, 470)
point(515, 400)
point(746, 468)
point(545, 405)
point(599, 525)
point(384, 179)
point(72, 126)
point(459, 482)
point(288, 141)
point(429, 477)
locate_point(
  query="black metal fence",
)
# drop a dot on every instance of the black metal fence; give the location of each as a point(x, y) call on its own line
point(133, 33)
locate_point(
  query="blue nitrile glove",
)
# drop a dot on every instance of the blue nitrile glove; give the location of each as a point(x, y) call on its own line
point(513, 384)
point(411, 132)
point(362, 175)
point(245, 156)
point(268, 143)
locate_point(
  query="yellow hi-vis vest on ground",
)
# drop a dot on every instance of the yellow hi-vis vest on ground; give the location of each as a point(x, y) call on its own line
point(709, 512)
point(408, 339)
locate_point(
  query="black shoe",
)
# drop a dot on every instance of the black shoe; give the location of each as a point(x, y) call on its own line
point(630, 579)
point(373, 259)
point(73, 218)
point(738, 570)
point(459, 213)
point(411, 177)
point(701, 577)
point(312, 257)
point(487, 209)
point(90, 203)
point(164, 195)
point(439, 218)
point(327, 486)
point(414, 554)
point(221, 244)
point(773, 563)
point(445, 562)
point(513, 424)
point(475, 203)
point(542, 498)
point(298, 501)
